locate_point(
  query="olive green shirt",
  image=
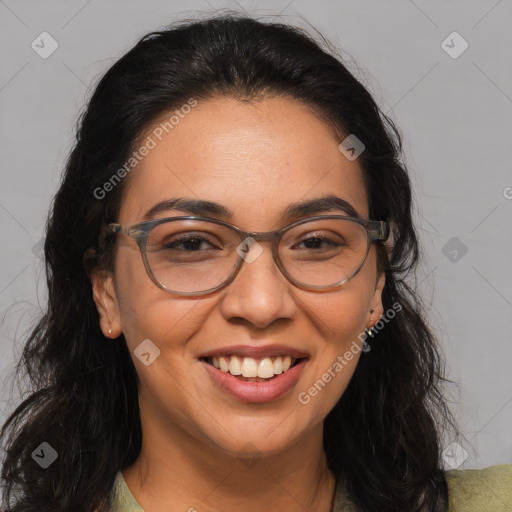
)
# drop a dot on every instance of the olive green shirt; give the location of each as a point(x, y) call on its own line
point(470, 490)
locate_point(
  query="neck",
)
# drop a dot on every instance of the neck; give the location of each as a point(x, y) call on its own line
point(179, 468)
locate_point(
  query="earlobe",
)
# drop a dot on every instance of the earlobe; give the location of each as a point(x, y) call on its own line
point(377, 309)
point(104, 296)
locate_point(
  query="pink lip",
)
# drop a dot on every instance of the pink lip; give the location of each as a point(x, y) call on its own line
point(256, 392)
point(256, 351)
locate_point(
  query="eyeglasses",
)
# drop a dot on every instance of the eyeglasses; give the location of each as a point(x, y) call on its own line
point(198, 255)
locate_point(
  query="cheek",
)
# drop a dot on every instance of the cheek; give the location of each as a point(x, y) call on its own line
point(340, 316)
point(146, 311)
point(339, 319)
point(342, 326)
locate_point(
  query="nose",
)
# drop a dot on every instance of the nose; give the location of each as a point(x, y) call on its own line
point(259, 293)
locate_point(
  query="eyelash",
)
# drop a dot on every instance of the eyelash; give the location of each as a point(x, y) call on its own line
point(188, 238)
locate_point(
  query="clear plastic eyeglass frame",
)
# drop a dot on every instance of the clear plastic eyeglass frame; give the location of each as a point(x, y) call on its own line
point(376, 231)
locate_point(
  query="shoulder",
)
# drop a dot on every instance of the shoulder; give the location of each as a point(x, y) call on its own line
point(480, 490)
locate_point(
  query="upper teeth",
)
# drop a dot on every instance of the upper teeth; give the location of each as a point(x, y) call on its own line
point(249, 367)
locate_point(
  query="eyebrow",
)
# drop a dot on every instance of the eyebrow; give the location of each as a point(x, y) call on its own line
point(294, 211)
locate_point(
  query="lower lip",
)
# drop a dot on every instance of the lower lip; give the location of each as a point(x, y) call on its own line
point(256, 392)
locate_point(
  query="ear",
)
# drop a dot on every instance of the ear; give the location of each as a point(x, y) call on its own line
point(376, 302)
point(104, 295)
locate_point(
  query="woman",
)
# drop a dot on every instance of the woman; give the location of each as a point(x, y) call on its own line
point(229, 324)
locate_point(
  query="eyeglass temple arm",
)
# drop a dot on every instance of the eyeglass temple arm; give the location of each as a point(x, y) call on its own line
point(113, 228)
point(379, 230)
point(107, 229)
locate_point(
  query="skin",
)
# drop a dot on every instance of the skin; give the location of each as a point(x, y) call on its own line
point(255, 158)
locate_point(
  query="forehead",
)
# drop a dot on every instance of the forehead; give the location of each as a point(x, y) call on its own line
point(256, 158)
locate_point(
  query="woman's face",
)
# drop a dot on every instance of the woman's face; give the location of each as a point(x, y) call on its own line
point(254, 159)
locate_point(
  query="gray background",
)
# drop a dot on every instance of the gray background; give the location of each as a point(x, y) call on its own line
point(454, 114)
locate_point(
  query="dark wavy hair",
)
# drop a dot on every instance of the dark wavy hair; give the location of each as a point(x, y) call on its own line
point(384, 434)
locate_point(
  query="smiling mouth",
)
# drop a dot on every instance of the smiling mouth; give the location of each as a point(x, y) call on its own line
point(253, 370)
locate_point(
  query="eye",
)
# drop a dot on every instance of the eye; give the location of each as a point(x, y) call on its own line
point(190, 243)
point(316, 241)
